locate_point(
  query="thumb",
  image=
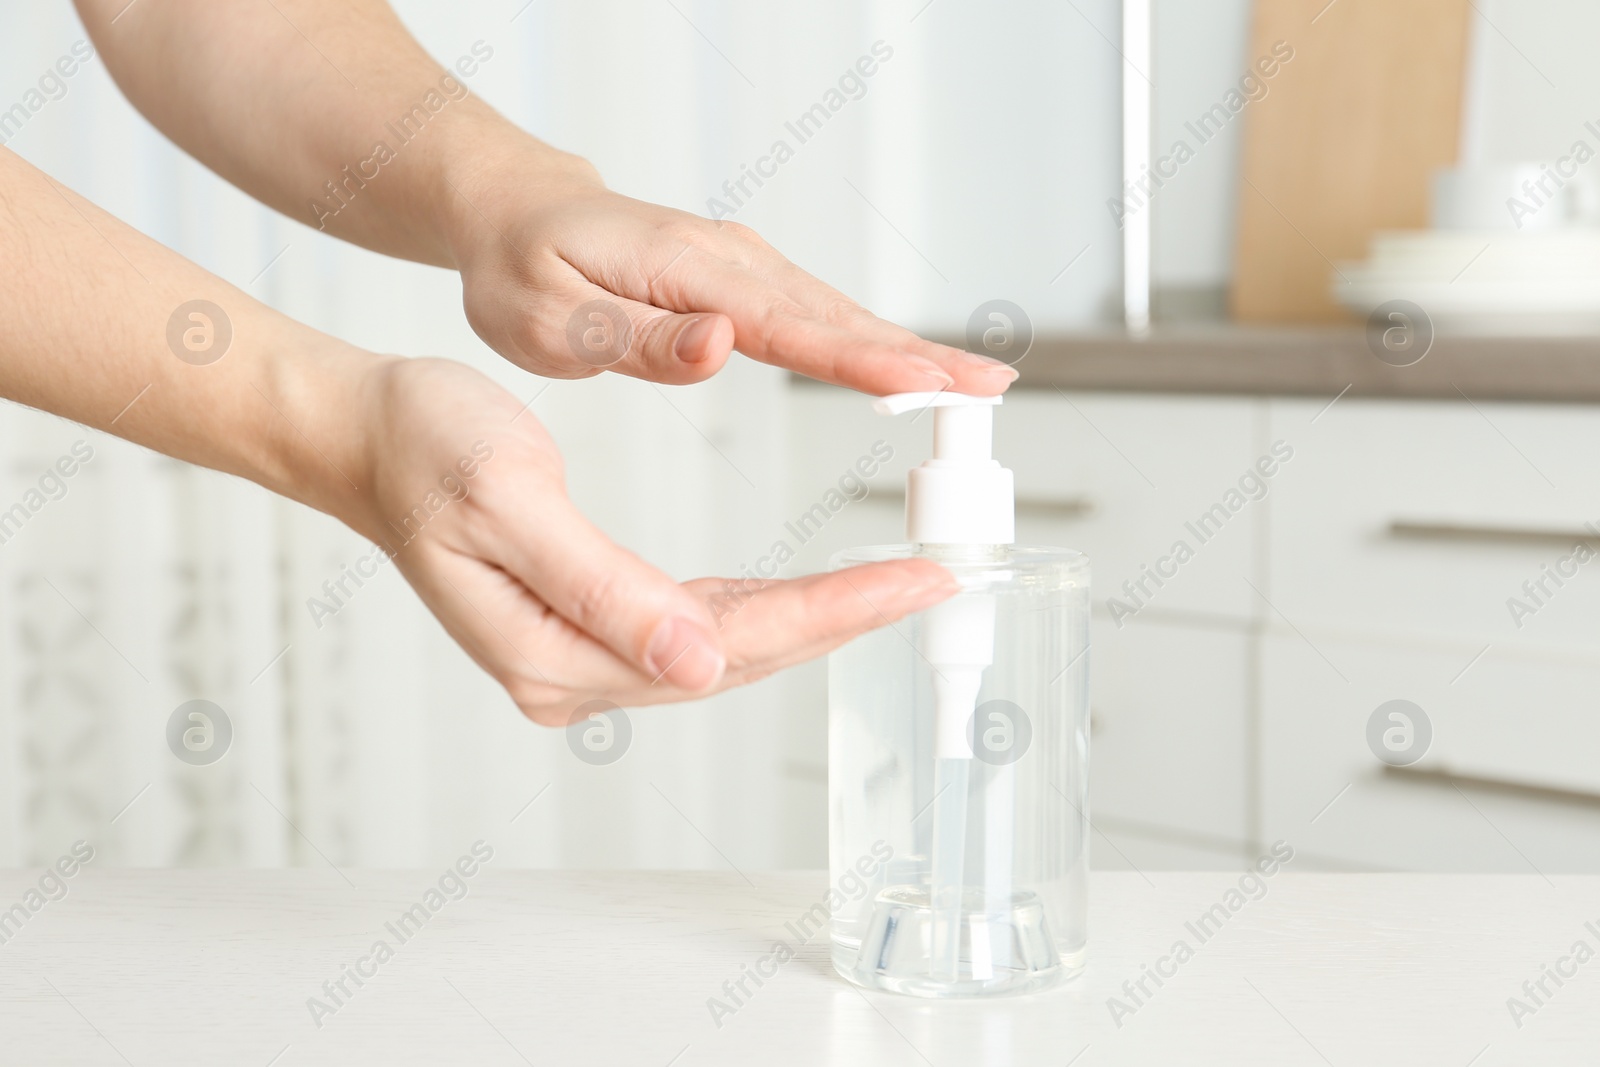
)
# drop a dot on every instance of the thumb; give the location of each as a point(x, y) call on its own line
point(650, 621)
point(643, 341)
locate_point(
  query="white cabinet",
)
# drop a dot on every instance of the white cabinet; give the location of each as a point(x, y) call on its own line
point(1170, 706)
point(1146, 473)
point(1399, 534)
point(1530, 725)
point(1427, 518)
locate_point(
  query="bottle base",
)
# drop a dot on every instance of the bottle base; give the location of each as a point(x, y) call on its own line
point(959, 944)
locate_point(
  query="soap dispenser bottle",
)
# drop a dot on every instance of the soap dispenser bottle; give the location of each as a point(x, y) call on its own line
point(958, 744)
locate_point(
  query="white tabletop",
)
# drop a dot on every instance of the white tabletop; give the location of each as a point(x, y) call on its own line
point(216, 967)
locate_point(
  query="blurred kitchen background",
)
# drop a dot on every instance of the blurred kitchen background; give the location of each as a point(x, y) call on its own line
point(981, 161)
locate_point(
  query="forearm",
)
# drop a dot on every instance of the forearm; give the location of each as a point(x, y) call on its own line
point(87, 330)
point(331, 113)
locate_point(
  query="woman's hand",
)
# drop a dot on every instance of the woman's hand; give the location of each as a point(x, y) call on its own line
point(264, 94)
point(540, 598)
point(565, 278)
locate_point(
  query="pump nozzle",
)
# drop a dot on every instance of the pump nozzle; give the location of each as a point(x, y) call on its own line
point(960, 496)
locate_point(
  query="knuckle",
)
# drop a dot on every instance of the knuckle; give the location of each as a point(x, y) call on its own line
point(707, 235)
point(841, 310)
point(655, 337)
point(685, 228)
point(597, 599)
point(776, 322)
point(740, 231)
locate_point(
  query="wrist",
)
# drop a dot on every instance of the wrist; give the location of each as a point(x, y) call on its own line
point(489, 182)
point(319, 451)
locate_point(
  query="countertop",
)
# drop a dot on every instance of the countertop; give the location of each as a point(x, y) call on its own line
point(1315, 362)
point(216, 967)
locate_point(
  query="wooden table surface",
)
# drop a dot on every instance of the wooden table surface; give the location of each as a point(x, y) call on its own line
point(529, 967)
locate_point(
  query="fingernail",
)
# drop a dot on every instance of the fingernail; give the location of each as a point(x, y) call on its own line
point(693, 343)
point(928, 368)
point(684, 655)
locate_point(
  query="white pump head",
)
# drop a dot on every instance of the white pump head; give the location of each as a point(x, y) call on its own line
point(960, 496)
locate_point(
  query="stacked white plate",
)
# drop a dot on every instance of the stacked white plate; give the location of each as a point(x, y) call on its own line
point(1491, 281)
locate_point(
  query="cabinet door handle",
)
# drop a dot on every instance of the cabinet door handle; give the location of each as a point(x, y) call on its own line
point(1428, 530)
point(1054, 507)
point(1447, 777)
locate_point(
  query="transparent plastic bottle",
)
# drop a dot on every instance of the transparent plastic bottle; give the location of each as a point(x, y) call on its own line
point(958, 755)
